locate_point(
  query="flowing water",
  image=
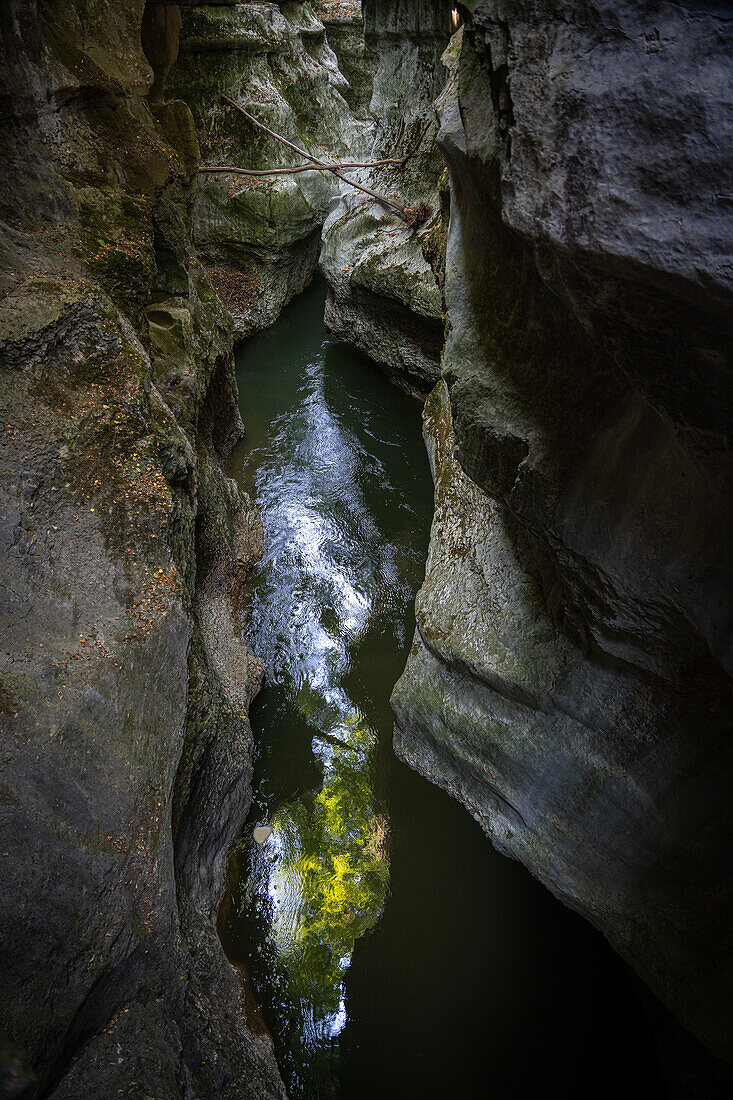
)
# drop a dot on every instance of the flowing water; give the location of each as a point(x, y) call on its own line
point(393, 953)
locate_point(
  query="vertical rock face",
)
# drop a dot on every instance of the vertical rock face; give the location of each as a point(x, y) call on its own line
point(260, 236)
point(344, 23)
point(570, 680)
point(384, 276)
point(125, 748)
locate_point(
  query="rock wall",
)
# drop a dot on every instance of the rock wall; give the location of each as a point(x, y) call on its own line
point(260, 236)
point(570, 680)
point(126, 751)
point(344, 23)
point(385, 277)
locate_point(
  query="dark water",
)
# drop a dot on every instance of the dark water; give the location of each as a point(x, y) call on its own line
point(392, 951)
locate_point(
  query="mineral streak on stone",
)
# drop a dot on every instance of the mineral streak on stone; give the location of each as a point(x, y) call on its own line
point(126, 751)
point(570, 680)
point(385, 278)
point(262, 236)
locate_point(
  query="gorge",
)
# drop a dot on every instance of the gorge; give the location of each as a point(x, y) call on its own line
point(562, 308)
point(391, 951)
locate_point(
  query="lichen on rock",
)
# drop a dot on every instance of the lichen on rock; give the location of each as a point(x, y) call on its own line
point(276, 61)
point(384, 276)
point(127, 751)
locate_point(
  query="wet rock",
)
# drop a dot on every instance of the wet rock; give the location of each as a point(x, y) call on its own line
point(261, 235)
point(384, 277)
point(383, 297)
point(126, 754)
point(570, 679)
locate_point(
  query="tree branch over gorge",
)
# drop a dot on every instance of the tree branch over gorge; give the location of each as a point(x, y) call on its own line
point(413, 215)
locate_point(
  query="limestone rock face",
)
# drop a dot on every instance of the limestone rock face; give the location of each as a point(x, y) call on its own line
point(570, 679)
point(126, 751)
point(384, 277)
point(260, 236)
point(344, 23)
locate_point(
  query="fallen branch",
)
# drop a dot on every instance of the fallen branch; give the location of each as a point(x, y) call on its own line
point(313, 160)
point(315, 165)
point(399, 161)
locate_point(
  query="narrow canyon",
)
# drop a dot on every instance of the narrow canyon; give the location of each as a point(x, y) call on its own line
point(366, 520)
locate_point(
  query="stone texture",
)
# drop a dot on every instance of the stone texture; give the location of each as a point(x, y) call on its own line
point(570, 680)
point(262, 235)
point(344, 25)
point(384, 278)
point(126, 753)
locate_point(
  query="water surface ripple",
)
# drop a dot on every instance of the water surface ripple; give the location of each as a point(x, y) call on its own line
point(470, 968)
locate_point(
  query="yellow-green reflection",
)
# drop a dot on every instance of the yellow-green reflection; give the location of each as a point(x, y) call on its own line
point(339, 474)
point(326, 872)
point(476, 974)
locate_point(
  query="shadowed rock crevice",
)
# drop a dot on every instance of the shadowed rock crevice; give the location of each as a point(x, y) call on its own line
point(260, 237)
point(385, 277)
point(159, 31)
point(572, 661)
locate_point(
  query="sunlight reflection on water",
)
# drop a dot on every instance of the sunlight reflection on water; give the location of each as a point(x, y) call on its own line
point(392, 955)
point(328, 573)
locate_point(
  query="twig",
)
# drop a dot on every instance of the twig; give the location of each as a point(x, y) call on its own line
point(323, 165)
point(315, 165)
point(278, 137)
point(263, 171)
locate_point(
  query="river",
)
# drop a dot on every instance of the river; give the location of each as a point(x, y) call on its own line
point(392, 951)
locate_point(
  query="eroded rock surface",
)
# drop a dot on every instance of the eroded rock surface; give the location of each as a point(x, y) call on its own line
point(344, 23)
point(570, 679)
point(384, 277)
point(260, 236)
point(126, 751)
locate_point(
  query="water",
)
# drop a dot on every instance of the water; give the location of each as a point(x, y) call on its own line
point(393, 953)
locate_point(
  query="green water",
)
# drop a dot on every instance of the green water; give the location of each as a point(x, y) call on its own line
point(393, 953)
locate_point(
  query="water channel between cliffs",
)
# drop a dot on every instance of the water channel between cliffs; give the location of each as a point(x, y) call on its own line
point(392, 951)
